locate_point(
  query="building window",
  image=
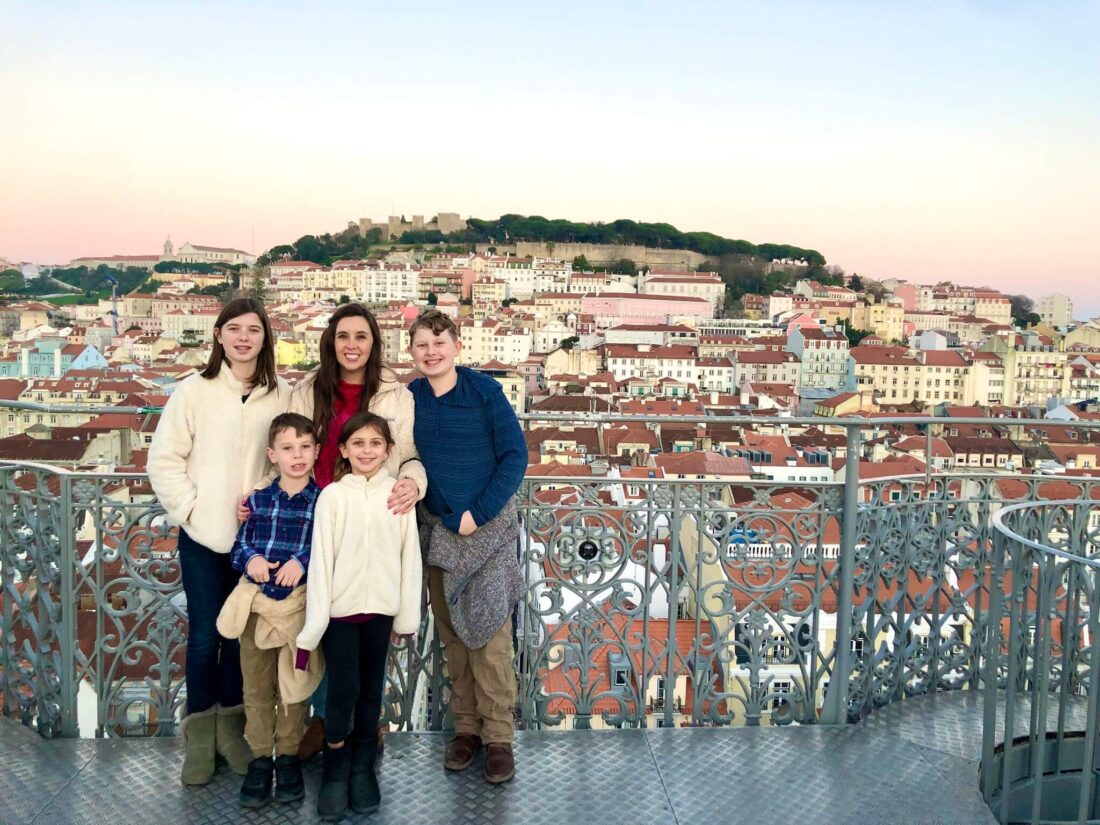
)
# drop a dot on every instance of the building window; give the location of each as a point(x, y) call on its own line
point(782, 689)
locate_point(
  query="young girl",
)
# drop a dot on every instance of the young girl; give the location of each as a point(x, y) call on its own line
point(364, 581)
point(351, 378)
point(209, 450)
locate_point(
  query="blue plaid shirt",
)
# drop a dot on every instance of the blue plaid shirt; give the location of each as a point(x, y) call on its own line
point(279, 528)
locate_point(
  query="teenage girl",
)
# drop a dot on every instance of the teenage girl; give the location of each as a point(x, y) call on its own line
point(208, 451)
point(364, 582)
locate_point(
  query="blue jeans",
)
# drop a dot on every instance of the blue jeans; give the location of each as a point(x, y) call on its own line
point(213, 665)
point(320, 696)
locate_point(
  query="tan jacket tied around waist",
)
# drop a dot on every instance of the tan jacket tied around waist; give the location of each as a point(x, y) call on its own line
point(278, 623)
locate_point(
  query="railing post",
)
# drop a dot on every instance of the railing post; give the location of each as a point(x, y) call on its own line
point(67, 609)
point(835, 709)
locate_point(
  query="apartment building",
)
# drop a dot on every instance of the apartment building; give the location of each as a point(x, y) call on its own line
point(646, 360)
point(823, 353)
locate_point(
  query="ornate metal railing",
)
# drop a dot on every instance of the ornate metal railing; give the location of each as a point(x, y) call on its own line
point(649, 601)
point(1040, 743)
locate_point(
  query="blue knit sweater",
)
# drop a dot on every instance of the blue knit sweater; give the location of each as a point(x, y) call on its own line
point(471, 446)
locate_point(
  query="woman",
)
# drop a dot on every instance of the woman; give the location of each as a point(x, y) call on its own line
point(352, 379)
point(208, 450)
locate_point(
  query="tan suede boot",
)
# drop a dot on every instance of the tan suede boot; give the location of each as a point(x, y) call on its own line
point(198, 737)
point(229, 739)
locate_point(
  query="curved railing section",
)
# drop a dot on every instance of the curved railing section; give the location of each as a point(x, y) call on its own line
point(1040, 728)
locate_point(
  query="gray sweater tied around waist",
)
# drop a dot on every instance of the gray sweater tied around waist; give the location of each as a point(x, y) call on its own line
point(482, 580)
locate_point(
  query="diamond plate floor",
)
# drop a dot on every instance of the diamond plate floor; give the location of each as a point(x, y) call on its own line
point(886, 770)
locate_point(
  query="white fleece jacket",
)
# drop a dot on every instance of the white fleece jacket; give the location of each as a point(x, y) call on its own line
point(393, 402)
point(209, 451)
point(364, 558)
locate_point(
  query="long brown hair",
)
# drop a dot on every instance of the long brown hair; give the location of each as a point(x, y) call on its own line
point(264, 375)
point(357, 422)
point(326, 381)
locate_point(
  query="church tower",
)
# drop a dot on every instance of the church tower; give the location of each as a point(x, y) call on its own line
point(167, 248)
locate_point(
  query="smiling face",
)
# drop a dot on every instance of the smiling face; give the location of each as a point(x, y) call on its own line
point(366, 450)
point(353, 342)
point(241, 338)
point(293, 453)
point(434, 355)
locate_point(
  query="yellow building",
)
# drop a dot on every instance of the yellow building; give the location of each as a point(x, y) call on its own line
point(289, 351)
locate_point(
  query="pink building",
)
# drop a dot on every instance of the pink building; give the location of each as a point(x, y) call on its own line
point(613, 308)
point(909, 295)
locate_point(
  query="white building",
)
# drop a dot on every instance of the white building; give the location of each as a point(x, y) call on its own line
point(191, 253)
point(392, 282)
point(646, 360)
point(1056, 310)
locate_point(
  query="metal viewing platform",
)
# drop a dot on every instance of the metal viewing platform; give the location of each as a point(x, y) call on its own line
point(689, 649)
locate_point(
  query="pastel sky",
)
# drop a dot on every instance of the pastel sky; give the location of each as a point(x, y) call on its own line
point(920, 140)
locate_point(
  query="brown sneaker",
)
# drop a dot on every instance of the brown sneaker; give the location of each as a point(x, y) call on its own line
point(312, 739)
point(461, 751)
point(500, 764)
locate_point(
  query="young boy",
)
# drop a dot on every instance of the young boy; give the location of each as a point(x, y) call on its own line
point(267, 611)
point(475, 456)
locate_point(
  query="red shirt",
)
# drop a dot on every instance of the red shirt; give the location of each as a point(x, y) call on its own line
point(345, 405)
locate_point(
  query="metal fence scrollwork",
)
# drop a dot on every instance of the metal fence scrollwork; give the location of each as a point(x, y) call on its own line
point(649, 601)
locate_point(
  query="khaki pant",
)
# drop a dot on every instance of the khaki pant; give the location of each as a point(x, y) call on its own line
point(268, 723)
point(483, 683)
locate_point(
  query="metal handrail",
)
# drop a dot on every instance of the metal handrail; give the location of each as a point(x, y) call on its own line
point(1049, 598)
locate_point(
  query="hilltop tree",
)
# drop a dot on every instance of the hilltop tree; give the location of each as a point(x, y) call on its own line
point(11, 280)
point(1023, 311)
point(853, 334)
point(257, 284)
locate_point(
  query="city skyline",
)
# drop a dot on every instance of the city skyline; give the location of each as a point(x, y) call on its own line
point(957, 142)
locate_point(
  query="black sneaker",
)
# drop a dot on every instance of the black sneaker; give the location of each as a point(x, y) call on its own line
point(256, 788)
point(289, 786)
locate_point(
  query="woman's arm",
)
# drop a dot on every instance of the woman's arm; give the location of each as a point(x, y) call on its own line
point(410, 469)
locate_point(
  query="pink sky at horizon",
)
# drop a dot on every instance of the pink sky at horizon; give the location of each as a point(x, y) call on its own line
point(960, 142)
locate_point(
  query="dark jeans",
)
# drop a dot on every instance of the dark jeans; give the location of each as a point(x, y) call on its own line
point(355, 660)
point(213, 671)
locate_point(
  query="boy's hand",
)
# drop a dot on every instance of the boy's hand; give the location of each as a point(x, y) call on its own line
point(258, 569)
point(242, 510)
point(403, 496)
point(396, 639)
point(467, 525)
point(290, 575)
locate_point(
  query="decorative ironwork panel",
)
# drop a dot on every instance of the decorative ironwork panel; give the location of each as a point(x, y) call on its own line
point(32, 553)
point(923, 578)
point(670, 603)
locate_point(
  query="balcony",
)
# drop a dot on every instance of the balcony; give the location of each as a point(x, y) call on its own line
point(835, 650)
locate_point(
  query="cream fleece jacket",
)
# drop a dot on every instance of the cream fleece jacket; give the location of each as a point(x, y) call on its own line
point(209, 451)
point(394, 402)
point(364, 558)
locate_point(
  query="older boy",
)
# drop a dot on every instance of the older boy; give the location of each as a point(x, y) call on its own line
point(267, 611)
point(475, 456)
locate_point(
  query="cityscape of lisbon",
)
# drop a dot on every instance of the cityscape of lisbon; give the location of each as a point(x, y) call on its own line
point(570, 330)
